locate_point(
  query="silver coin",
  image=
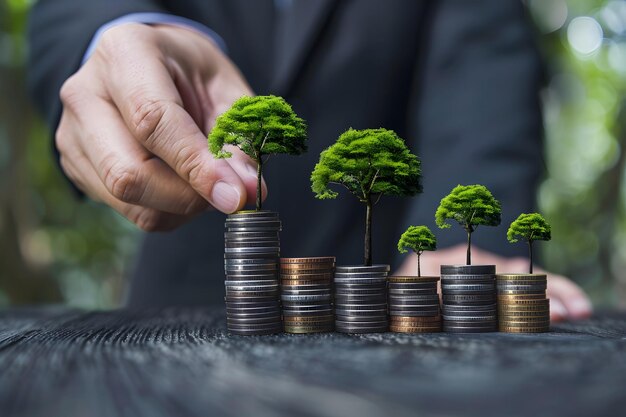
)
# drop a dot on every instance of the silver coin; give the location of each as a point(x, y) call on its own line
point(268, 249)
point(238, 278)
point(353, 318)
point(362, 330)
point(320, 313)
point(361, 268)
point(315, 286)
point(264, 256)
point(407, 298)
point(364, 281)
point(470, 313)
point(255, 312)
point(358, 324)
point(267, 268)
point(422, 313)
point(298, 298)
point(470, 287)
point(468, 269)
point(326, 291)
point(469, 318)
point(361, 274)
point(412, 292)
point(254, 282)
point(249, 261)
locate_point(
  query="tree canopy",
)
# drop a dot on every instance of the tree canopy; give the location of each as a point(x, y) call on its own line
point(529, 227)
point(418, 239)
point(369, 163)
point(260, 126)
point(470, 206)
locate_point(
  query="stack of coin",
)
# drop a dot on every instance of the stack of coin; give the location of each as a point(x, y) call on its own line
point(522, 303)
point(361, 299)
point(414, 305)
point(469, 298)
point(252, 249)
point(306, 294)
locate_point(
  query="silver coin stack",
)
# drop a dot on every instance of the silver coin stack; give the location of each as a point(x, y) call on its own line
point(252, 250)
point(469, 298)
point(361, 299)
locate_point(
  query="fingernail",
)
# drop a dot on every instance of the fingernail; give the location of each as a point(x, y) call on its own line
point(225, 197)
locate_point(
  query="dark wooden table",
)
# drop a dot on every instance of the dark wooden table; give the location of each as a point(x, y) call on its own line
point(181, 362)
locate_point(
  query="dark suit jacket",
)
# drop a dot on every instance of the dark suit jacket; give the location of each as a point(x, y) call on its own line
point(457, 79)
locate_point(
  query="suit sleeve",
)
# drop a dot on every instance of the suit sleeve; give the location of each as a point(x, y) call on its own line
point(475, 113)
point(59, 32)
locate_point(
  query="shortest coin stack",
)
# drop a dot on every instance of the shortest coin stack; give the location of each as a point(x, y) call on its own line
point(251, 256)
point(414, 305)
point(522, 303)
point(361, 299)
point(306, 294)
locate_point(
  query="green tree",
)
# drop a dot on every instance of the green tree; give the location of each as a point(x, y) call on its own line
point(260, 126)
point(369, 163)
point(471, 206)
point(418, 239)
point(529, 227)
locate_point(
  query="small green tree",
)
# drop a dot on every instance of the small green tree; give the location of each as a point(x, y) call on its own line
point(529, 227)
point(369, 163)
point(471, 206)
point(418, 239)
point(260, 126)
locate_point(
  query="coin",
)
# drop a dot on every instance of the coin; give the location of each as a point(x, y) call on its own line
point(468, 269)
point(537, 329)
point(412, 280)
point(360, 268)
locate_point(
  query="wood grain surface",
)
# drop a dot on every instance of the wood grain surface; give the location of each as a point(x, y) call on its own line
point(181, 362)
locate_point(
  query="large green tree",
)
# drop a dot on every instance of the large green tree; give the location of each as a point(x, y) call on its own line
point(418, 239)
point(369, 163)
point(470, 206)
point(260, 126)
point(529, 227)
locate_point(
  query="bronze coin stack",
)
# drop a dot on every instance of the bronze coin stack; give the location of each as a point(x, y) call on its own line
point(251, 253)
point(306, 294)
point(414, 305)
point(522, 303)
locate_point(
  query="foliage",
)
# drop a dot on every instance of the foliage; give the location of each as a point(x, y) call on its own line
point(470, 206)
point(260, 126)
point(418, 239)
point(369, 163)
point(529, 227)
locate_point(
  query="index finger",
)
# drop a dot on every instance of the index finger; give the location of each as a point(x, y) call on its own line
point(144, 91)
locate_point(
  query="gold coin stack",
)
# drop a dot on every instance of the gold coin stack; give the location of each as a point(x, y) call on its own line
point(414, 305)
point(306, 294)
point(522, 303)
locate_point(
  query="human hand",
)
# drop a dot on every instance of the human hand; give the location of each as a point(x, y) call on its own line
point(135, 121)
point(567, 300)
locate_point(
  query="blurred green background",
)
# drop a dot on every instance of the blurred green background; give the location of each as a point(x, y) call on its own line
point(56, 249)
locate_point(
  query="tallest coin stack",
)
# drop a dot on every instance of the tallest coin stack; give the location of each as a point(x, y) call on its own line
point(252, 250)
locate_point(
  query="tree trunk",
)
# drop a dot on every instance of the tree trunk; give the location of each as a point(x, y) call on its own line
point(368, 233)
point(259, 175)
point(468, 260)
point(530, 255)
point(419, 269)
